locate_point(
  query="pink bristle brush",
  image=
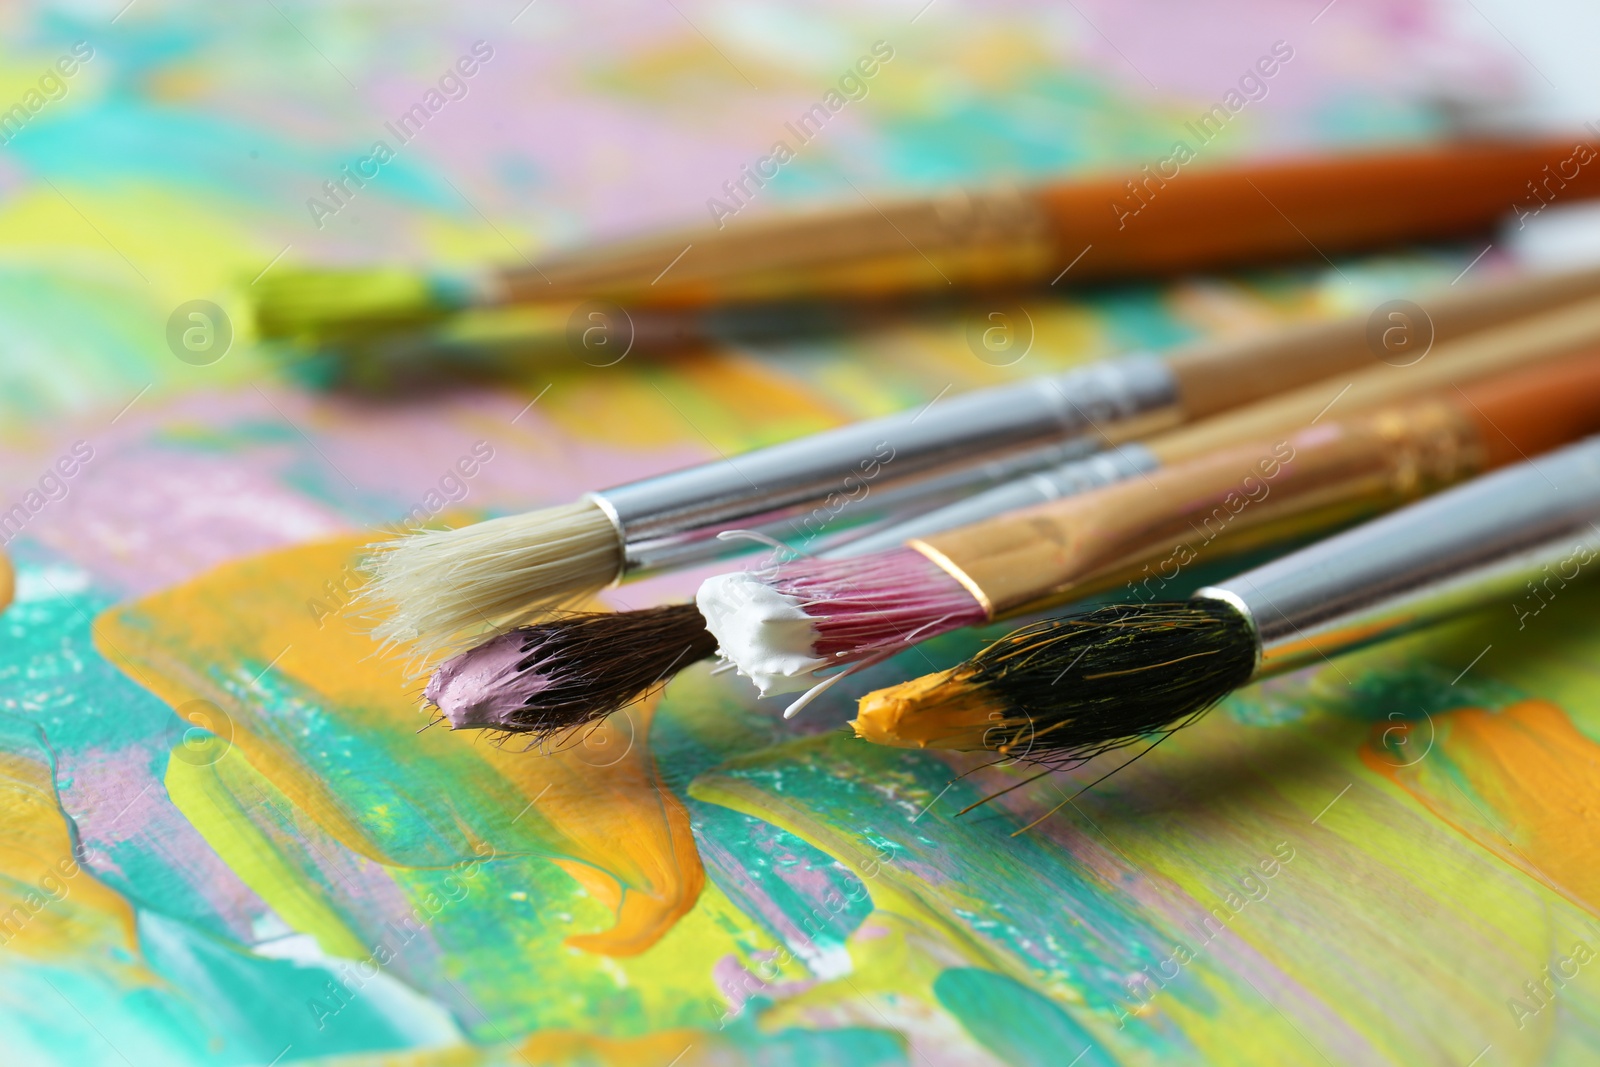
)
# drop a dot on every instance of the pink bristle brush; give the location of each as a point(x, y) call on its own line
point(784, 626)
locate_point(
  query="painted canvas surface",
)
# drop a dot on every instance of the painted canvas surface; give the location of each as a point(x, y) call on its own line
point(227, 837)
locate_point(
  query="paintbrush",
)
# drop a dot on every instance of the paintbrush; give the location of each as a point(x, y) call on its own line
point(1095, 229)
point(573, 670)
point(1063, 690)
point(432, 587)
point(784, 626)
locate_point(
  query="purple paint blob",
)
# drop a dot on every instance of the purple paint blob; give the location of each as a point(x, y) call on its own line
point(484, 687)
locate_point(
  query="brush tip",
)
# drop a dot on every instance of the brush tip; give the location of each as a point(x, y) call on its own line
point(434, 587)
point(934, 711)
point(766, 634)
point(1075, 686)
point(484, 687)
point(555, 677)
point(321, 304)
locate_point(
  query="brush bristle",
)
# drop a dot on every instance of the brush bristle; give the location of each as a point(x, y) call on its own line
point(872, 604)
point(436, 588)
point(310, 304)
point(557, 676)
point(1070, 688)
point(847, 611)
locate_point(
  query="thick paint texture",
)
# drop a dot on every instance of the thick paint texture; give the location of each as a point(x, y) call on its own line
point(113, 907)
point(1523, 783)
point(51, 907)
point(344, 743)
point(228, 835)
point(1015, 1023)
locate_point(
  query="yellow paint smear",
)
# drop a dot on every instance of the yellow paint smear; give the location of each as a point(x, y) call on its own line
point(214, 798)
point(51, 908)
point(597, 808)
point(1523, 783)
point(730, 400)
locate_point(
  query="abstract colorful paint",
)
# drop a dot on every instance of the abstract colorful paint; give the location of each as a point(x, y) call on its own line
point(231, 836)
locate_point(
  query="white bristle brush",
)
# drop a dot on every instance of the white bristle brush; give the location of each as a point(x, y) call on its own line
point(435, 590)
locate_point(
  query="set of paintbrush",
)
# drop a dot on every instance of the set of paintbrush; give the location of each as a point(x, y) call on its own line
point(1122, 473)
point(435, 586)
point(1306, 460)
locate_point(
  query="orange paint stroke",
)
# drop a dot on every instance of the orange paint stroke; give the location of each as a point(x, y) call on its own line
point(1523, 783)
point(651, 1050)
point(673, 1048)
point(597, 809)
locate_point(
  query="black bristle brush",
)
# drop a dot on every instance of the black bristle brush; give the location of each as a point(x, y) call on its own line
point(1066, 689)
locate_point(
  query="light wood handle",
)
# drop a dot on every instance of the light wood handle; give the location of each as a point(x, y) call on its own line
point(1311, 478)
point(1215, 377)
point(1245, 495)
point(1519, 345)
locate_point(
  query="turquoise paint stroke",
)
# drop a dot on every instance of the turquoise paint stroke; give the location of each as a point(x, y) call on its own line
point(1023, 1028)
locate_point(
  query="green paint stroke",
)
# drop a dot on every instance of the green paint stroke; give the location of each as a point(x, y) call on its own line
point(1021, 1027)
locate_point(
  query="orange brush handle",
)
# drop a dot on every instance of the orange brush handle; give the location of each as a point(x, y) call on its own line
point(1188, 218)
point(1140, 224)
point(1521, 415)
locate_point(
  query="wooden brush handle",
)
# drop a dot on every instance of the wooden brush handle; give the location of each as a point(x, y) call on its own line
point(1214, 377)
point(1203, 217)
point(864, 251)
point(1259, 493)
point(1519, 416)
point(1305, 480)
point(1521, 344)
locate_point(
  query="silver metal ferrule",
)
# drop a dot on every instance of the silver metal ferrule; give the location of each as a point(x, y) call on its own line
point(1516, 537)
point(1068, 479)
point(927, 456)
